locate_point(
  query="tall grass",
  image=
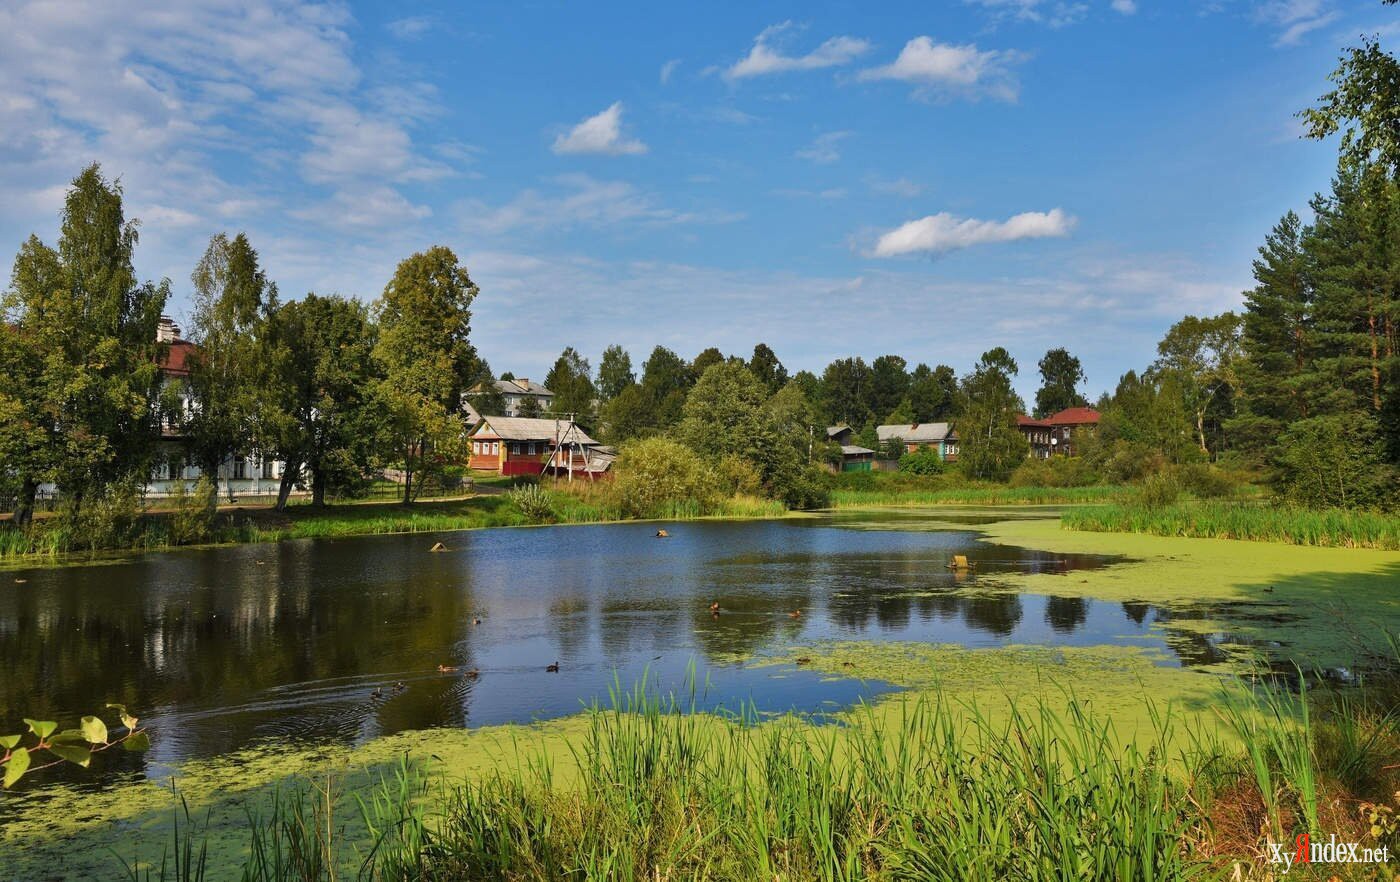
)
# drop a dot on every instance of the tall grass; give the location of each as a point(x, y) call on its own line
point(919, 788)
point(993, 495)
point(1225, 520)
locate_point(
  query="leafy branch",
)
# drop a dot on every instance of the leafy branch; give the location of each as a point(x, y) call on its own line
point(75, 746)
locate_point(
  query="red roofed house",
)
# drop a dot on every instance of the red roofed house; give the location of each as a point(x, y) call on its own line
point(1037, 434)
point(1064, 424)
point(528, 446)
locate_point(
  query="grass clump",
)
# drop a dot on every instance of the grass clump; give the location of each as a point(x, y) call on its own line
point(976, 495)
point(1343, 528)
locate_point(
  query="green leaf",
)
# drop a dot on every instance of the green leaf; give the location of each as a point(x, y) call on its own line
point(75, 754)
point(15, 767)
point(42, 728)
point(137, 742)
point(9, 741)
point(68, 736)
point(94, 730)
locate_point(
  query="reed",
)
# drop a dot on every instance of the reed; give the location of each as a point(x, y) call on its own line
point(1233, 520)
point(989, 495)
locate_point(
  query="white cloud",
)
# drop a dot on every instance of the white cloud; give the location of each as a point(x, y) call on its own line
point(897, 187)
point(410, 28)
point(601, 133)
point(825, 149)
point(766, 58)
point(668, 69)
point(943, 69)
point(943, 232)
point(576, 200)
point(170, 98)
point(1055, 13)
point(1296, 18)
point(1127, 7)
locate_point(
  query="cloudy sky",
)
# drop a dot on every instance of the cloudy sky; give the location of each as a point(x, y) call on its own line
point(931, 180)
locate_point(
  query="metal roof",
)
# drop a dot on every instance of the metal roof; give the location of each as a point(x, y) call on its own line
point(530, 429)
point(853, 450)
point(919, 433)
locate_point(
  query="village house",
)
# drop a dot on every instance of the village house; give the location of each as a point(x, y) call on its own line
point(244, 474)
point(941, 437)
point(517, 392)
point(854, 458)
point(1037, 434)
point(529, 446)
point(1068, 421)
point(1054, 434)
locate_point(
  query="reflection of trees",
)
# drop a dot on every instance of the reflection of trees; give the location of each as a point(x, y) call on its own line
point(1065, 614)
point(1136, 611)
point(222, 627)
point(999, 614)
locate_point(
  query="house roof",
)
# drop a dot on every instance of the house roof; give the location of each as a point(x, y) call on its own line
point(854, 450)
point(528, 429)
point(1023, 420)
point(177, 356)
point(833, 431)
point(522, 387)
point(918, 433)
point(1074, 416)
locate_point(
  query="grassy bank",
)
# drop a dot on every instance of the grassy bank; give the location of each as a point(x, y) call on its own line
point(1052, 779)
point(1261, 523)
point(906, 496)
point(155, 531)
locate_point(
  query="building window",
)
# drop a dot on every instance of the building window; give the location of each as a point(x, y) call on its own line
point(240, 468)
point(495, 448)
point(266, 473)
point(476, 447)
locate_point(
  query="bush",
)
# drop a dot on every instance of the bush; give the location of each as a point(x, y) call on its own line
point(654, 473)
point(808, 489)
point(1126, 462)
point(533, 502)
point(1057, 471)
point(190, 520)
point(736, 476)
point(924, 461)
point(1205, 482)
point(1334, 461)
point(1160, 490)
point(109, 518)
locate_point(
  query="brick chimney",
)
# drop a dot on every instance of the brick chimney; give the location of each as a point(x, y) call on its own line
point(166, 330)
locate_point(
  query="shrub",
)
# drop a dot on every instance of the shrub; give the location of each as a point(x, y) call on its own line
point(654, 473)
point(807, 489)
point(1334, 461)
point(533, 502)
point(107, 519)
point(736, 476)
point(1057, 471)
point(1204, 481)
point(190, 520)
point(1160, 490)
point(924, 461)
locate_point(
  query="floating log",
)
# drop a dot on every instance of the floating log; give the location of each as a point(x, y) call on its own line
point(438, 546)
point(662, 534)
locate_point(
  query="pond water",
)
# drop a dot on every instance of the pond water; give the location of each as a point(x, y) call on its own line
point(343, 639)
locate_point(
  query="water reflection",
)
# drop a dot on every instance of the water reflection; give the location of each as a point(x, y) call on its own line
point(344, 638)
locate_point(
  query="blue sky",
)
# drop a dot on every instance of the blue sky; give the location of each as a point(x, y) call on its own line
point(929, 179)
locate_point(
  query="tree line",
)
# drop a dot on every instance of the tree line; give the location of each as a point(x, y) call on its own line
point(333, 388)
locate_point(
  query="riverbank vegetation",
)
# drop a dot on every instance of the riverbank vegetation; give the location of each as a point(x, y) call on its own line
point(1343, 528)
point(930, 785)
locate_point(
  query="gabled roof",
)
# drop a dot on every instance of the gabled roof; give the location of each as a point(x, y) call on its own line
point(1023, 420)
point(1074, 416)
point(918, 433)
point(833, 431)
point(177, 356)
point(854, 450)
point(522, 387)
point(529, 429)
